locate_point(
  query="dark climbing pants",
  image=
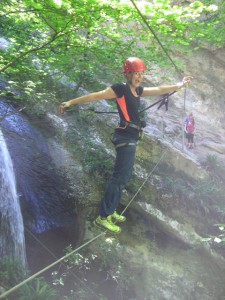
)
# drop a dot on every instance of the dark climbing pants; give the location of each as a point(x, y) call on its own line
point(190, 137)
point(125, 158)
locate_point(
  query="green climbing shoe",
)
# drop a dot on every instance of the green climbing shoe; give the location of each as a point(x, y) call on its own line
point(117, 217)
point(108, 224)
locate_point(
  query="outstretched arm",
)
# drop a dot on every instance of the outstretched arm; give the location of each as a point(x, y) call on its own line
point(160, 90)
point(108, 93)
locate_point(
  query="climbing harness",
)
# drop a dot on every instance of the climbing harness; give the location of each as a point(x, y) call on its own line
point(165, 99)
point(124, 144)
point(125, 124)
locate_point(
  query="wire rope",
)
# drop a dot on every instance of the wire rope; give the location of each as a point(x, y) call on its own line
point(167, 54)
point(83, 245)
point(101, 234)
point(71, 272)
point(146, 179)
point(156, 37)
point(49, 266)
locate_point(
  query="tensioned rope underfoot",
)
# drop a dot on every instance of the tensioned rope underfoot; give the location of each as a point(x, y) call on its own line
point(48, 267)
point(62, 263)
point(83, 245)
point(5, 294)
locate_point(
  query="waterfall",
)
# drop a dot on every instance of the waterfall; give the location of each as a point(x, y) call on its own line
point(12, 243)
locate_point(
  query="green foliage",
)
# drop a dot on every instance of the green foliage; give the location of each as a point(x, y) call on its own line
point(212, 25)
point(203, 195)
point(38, 289)
point(218, 239)
point(133, 185)
point(80, 268)
point(201, 189)
point(206, 190)
point(215, 167)
point(98, 162)
point(212, 163)
point(78, 41)
point(177, 186)
point(110, 262)
point(10, 273)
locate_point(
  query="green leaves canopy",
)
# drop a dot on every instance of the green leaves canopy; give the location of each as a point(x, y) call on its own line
point(79, 40)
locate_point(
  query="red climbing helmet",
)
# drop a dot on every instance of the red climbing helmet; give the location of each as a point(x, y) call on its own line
point(134, 64)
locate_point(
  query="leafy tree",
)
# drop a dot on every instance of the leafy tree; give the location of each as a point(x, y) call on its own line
point(212, 25)
point(82, 41)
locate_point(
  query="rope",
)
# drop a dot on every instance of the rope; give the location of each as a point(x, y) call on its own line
point(85, 244)
point(92, 109)
point(163, 48)
point(101, 234)
point(184, 110)
point(146, 179)
point(53, 255)
point(154, 34)
point(82, 246)
point(160, 100)
point(48, 267)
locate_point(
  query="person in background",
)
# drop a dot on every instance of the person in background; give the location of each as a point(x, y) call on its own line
point(189, 130)
point(126, 135)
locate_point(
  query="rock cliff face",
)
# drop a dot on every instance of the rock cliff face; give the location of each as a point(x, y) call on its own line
point(205, 98)
point(207, 66)
point(160, 244)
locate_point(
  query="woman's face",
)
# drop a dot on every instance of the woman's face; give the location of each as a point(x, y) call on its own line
point(135, 78)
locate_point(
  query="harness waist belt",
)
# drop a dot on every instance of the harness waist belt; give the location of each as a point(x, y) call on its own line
point(125, 144)
point(138, 127)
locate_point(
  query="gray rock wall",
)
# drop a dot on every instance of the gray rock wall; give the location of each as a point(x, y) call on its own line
point(207, 96)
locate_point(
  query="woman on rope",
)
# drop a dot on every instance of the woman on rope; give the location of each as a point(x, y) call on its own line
point(126, 134)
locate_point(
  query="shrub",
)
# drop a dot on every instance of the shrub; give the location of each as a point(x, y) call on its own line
point(38, 289)
point(10, 273)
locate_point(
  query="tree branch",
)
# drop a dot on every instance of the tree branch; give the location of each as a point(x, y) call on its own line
point(36, 49)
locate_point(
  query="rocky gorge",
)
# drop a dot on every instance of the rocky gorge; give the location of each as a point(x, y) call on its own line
point(161, 244)
point(160, 253)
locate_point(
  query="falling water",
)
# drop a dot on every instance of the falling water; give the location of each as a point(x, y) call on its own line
point(12, 244)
